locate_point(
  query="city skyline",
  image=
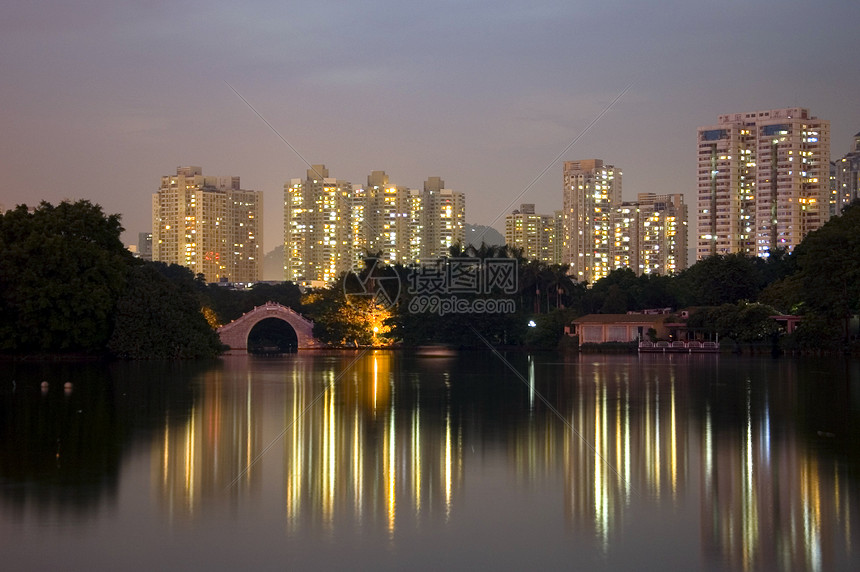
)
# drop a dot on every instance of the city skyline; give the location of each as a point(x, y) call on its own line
point(486, 96)
point(330, 224)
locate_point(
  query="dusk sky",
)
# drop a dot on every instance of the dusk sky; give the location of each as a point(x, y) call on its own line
point(102, 98)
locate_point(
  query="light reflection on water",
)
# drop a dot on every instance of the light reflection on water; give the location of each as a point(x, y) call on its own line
point(717, 460)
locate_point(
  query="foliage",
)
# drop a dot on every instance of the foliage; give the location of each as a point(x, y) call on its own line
point(228, 304)
point(721, 279)
point(786, 295)
point(62, 270)
point(622, 291)
point(828, 261)
point(744, 322)
point(159, 319)
point(342, 322)
point(817, 333)
point(548, 329)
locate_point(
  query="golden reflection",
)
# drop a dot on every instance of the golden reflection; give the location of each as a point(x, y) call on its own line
point(416, 457)
point(390, 461)
point(626, 438)
point(349, 452)
point(448, 466)
point(353, 448)
point(214, 444)
point(674, 443)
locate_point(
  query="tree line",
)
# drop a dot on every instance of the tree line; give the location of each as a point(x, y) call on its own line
point(733, 296)
point(68, 285)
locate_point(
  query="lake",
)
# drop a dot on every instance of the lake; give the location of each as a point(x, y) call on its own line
point(380, 459)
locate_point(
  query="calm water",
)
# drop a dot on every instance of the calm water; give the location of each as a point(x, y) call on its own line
point(387, 460)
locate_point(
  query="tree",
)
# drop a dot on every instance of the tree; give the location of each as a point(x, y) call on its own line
point(158, 319)
point(828, 261)
point(62, 270)
point(743, 322)
point(721, 279)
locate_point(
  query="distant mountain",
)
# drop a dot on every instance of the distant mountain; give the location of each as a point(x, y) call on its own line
point(273, 264)
point(478, 233)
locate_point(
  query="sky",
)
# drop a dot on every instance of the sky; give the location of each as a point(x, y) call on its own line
point(99, 99)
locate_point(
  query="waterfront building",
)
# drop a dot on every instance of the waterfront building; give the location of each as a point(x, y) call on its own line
point(208, 224)
point(144, 245)
point(320, 235)
point(624, 246)
point(444, 214)
point(763, 181)
point(394, 220)
point(592, 190)
point(845, 177)
point(662, 233)
point(534, 235)
point(558, 237)
point(330, 225)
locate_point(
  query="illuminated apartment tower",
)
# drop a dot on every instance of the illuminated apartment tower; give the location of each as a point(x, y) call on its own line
point(662, 241)
point(319, 227)
point(444, 219)
point(846, 179)
point(208, 224)
point(144, 245)
point(394, 220)
point(591, 192)
point(763, 181)
point(625, 236)
point(533, 234)
point(558, 237)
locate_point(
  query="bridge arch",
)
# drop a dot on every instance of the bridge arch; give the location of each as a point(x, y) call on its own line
point(235, 334)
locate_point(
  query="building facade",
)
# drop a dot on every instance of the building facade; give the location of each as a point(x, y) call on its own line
point(444, 215)
point(208, 224)
point(845, 177)
point(534, 235)
point(330, 224)
point(592, 190)
point(662, 230)
point(395, 219)
point(144, 245)
point(323, 226)
point(763, 181)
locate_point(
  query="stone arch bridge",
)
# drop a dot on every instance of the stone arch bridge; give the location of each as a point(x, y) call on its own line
point(235, 334)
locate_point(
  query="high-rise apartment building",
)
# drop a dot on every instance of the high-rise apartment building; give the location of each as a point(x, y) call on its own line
point(444, 219)
point(535, 235)
point(592, 190)
point(330, 224)
point(209, 224)
point(558, 237)
point(763, 181)
point(846, 179)
point(394, 221)
point(662, 241)
point(624, 246)
point(144, 245)
point(323, 224)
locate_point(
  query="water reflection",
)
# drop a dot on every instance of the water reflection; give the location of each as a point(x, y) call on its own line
point(742, 463)
point(65, 429)
point(627, 442)
point(357, 454)
point(352, 444)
